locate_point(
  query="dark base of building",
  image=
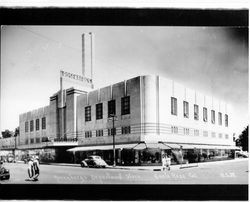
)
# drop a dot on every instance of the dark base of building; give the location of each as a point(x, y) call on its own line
point(128, 157)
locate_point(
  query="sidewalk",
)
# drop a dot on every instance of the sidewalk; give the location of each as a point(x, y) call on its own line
point(156, 168)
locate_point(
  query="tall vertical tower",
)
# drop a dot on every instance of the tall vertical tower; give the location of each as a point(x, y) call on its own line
point(87, 55)
point(71, 85)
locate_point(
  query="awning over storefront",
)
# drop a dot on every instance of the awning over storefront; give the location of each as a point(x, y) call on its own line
point(144, 145)
point(198, 146)
point(101, 147)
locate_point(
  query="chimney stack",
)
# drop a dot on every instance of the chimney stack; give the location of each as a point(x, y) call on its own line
point(87, 55)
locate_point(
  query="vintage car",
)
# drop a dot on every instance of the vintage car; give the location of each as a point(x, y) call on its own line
point(4, 173)
point(94, 161)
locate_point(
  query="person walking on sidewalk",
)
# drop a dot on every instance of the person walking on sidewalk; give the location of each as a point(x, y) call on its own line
point(164, 161)
point(168, 161)
point(30, 169)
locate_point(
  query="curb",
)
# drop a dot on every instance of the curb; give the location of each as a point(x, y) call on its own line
point(173, 167)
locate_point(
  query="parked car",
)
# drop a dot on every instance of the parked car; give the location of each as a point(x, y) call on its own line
point(4, 173)
point(242, 154)
point(94, 161)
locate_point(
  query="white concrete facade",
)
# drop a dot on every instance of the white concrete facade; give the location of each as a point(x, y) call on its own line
point(149, 118)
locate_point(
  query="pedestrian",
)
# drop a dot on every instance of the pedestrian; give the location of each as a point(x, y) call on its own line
point(168, 161)
point(1, 167)
point(36, 168)
point(30, 168)
point(164, 161)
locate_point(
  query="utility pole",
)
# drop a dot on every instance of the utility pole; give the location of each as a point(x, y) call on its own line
point(113, 116)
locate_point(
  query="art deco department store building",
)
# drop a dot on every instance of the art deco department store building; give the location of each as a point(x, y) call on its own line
point(154, 115)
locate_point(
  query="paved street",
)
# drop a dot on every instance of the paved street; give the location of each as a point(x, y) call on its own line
point(226, 172)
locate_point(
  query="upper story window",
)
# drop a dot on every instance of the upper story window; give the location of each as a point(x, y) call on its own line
point(44, 123)
point(99, 133)
point(125, 105)
point(185, 109)
point(99, 111)
point(186, 131)
point(88, 113)
point(26, 126)
point(226, 136)
point(31, 125)
point(212, 116)
point(226, 120)
point(196, 132)
point(111, 108)
point(88, 134)
point(126, 130)
point(37, 124)
point(205, 133)
point(213, 134)
point(111, 131)
point(196, 112)
point(174, 129)
point(173, 106)
point(38, 140)
point(204, 114)
point(220, 118)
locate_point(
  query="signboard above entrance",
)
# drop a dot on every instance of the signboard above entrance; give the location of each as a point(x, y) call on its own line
point(82, 80)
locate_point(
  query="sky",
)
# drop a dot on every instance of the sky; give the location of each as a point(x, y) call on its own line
point(211, 60)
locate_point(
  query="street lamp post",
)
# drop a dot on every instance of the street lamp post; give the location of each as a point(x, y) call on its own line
point(113, 116)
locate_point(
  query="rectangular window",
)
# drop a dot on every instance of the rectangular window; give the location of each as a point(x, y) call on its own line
point(126, 130)
point(226, 136)
point(37, 140)
point(31, 125)
point(205, 134)
point(99, 133)
point(196, 112)
point(37, 124)
point(88, 134)
point(44, 123)
point(220, 135)
point(111, 108)
point(174, 129)
point(26, 126)
point(186, 131)
point(196, 132)
point(173, 106)
point(26, 141)
point(212, 116)
point(213, 134)
point(185, 109)
point(226, 120)
point(31, 140)
point(99, 111)
point(125, 105)
point(111, 131)
point(220, 118)
point(88, 113)
point(204, 114)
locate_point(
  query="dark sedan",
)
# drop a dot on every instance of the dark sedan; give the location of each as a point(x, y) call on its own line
point(94, 161)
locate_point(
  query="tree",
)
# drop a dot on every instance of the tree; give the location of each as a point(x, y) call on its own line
point(7, 133)
point(243, 140)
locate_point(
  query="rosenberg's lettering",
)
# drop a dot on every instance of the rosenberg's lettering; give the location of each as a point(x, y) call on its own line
point(76, 77)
